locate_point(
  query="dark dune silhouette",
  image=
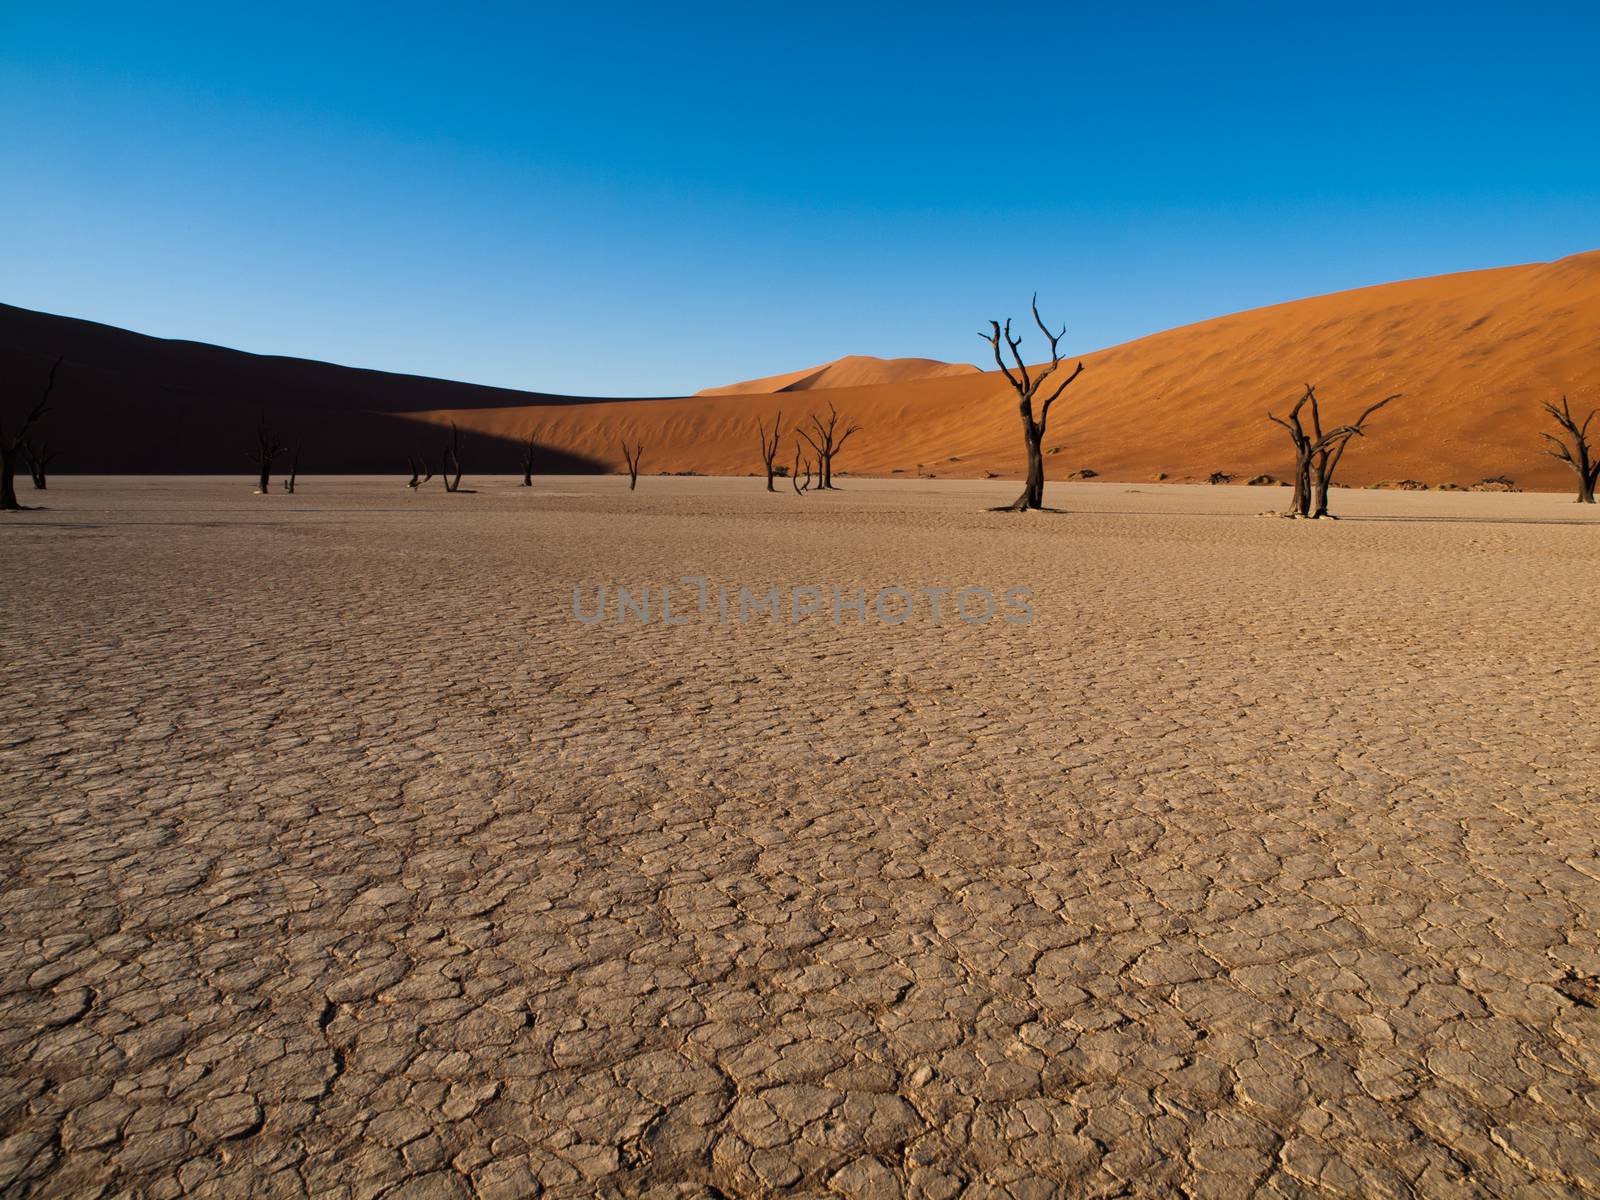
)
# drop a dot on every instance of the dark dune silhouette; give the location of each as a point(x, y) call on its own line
point(127, 402)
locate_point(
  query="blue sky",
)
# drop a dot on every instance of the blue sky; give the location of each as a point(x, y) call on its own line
point(648, 199)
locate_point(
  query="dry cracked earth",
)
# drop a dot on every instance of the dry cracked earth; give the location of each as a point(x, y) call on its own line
point(340, 860)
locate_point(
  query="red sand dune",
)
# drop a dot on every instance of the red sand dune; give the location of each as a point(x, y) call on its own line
point(1474, 354)
point(853, 370)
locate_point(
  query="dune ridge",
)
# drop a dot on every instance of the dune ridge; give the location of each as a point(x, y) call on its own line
point(853, 370)
point(1474, 354)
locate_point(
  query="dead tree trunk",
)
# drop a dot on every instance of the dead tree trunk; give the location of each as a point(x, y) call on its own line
point(1317, 453)
point(1300, 502)
point(266, 449)
point(38, 459)
point(828, 442)
point(1329, 448)
point(769, 446)
point(452, 460)
point(527, 463)
point(421, 472)
point(8, 480)
point(1028, 387)
point(294, 469)
point(1579, 456)
point(794, 474)
point(633, 463)
point(13, 446)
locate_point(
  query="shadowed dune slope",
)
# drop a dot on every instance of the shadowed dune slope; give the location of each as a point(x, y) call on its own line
point(1474, 354)
point(125, 402)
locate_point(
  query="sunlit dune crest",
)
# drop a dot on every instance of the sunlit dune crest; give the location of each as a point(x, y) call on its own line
point(853, 370)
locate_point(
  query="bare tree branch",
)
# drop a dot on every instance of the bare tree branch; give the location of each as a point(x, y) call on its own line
point(633, 462)
point(769, 445)
point(527, 462)
point(1028, 388)
point(452, 461)
point(1576, 451)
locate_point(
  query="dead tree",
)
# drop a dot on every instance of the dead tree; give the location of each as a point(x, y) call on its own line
point(38, 458)
point(267, 448)
point(1317, 452)
point(294, 469)
point(794, 475)
point(452, 461)
point(1028, 388)
point(1300, 502)
point(769, 446)
point(1330, 448)
point(1578, 455)
point(828, 442)
point(13, 446)
point(421, 472)
point(633, 462)
point(527, 463)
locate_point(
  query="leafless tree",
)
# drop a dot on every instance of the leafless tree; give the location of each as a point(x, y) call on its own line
point(452, 460)
point(527, 463)
point(828, 442)
point(769, 446)
point(421, 472)
point(794, 474)
point(1330, 449)
point(1578, 455)
point(633, 462)
point(267, 448)
point(1030, 387)
point(1317, 451)
point(13, 446)
point(1300, 501)
point(38, 459)
point(294, 469)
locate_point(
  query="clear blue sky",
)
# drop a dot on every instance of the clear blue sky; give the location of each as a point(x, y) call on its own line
point(635, 199)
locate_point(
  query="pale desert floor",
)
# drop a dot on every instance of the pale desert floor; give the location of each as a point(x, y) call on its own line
point(338, 859)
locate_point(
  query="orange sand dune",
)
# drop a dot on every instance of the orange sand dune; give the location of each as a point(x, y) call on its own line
point(853, 370)
point(1474, 354)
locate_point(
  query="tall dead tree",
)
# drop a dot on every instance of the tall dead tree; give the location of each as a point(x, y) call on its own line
point(527, 463)
point(1030, 387)
point(1300, 502)
point(794, 474)
point(828, 442)
point(294, 469)
point(13, 446)
point(38, 459)
point(452, 460)
point(1579, 456)
point(633, 462)
point(769, 446)
point(1317, 452)
point(267, 448)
